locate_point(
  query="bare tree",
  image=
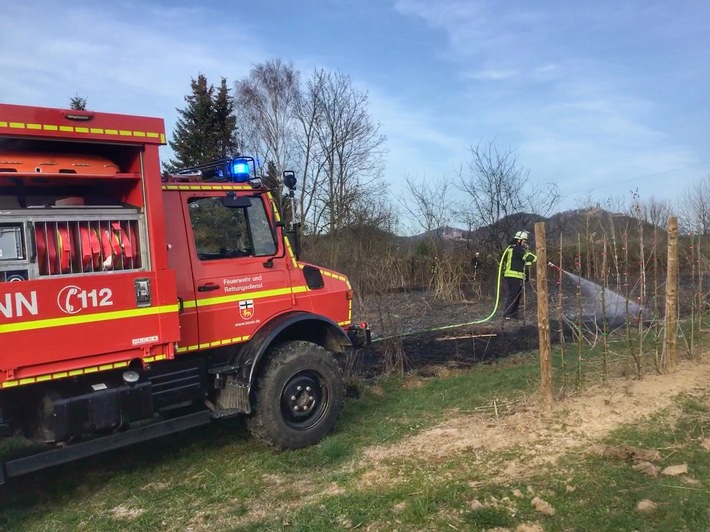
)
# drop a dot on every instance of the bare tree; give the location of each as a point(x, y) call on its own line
point(694, 208)
point(616, 204)
point(656, 212)
point(427, 204)
point(499, 194)
point(351, 147)
point(310, 150)
point(651, 211)
point(266, 101)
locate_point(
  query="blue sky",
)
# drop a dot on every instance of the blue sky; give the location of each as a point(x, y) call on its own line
point(600, 97)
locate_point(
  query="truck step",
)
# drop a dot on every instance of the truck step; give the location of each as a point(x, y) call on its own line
point(69, 453)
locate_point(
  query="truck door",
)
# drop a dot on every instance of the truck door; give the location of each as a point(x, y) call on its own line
point(238, 284)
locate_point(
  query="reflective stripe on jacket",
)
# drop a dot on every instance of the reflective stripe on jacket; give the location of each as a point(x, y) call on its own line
point(515, 259)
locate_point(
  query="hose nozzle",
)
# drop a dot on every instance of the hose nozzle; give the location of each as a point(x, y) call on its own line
point(553, 265)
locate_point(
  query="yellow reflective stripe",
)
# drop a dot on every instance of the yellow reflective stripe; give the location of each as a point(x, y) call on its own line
point(84, 129)
point(227, 341)
point(529, 257)
point(273, 206)
point(291, 254)
point(249, 295)
point(65, 374)
point(206, 187)
point(89, 318)
point(243, 295)
point(334, 275)
point(155, 358)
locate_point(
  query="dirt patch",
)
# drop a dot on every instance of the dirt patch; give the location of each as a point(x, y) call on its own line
point(124, 512)
point(540, 437)
point(438, 337)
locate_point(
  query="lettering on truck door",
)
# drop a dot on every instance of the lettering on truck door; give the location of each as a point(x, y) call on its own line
point(237, 286)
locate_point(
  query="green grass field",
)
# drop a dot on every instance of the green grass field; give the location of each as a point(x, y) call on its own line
point(219, 478)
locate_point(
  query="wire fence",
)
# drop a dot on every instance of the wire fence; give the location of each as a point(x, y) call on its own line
point(628, 303)
point(608, 295)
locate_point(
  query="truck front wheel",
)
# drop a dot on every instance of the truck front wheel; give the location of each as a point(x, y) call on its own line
point(298, 396)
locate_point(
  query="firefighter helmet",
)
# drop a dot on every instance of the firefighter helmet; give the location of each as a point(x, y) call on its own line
point(521, 235)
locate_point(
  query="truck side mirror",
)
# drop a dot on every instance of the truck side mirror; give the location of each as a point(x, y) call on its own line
point(290, 180)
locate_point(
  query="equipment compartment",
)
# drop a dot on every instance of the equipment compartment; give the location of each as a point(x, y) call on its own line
point(66, 245)
point(11, 247)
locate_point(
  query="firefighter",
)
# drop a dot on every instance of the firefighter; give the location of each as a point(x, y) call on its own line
point(516, 260)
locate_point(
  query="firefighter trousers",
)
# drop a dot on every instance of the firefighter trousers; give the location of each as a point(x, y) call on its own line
point(515, 292)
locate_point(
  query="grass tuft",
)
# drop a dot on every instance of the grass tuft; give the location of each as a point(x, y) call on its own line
point(487, 517)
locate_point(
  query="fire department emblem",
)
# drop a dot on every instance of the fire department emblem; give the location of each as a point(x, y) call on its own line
point(246, 309)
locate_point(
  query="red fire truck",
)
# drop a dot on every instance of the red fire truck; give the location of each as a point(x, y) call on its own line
point(135, 305)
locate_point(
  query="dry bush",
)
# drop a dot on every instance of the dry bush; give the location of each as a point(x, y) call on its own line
point(394, 357)
point(446, 278)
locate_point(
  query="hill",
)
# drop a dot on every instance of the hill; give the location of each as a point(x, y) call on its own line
point(578, 225)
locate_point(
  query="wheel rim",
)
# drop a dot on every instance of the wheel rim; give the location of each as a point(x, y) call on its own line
point(304, 400)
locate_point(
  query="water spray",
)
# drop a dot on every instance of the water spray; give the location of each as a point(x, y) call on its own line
point(601, 301)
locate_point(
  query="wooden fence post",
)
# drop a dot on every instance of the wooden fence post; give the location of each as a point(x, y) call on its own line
point(671, 319)
point(543, 316)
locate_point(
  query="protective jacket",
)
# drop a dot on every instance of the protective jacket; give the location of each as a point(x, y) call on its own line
point(515, 259)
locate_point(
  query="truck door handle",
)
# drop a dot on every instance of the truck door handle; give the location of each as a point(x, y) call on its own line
point(207, 287)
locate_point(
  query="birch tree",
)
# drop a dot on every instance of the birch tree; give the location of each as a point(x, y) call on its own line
point(266, 100)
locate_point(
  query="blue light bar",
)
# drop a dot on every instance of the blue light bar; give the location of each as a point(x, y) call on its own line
point(240, 170)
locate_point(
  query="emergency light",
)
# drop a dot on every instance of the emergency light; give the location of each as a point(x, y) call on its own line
point(239, 170)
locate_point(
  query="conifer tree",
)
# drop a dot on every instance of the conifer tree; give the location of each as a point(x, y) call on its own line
point(206, 128)
point(225, 127)
point(78, 103)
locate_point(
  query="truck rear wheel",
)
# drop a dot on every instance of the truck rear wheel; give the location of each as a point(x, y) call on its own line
point(299, 396)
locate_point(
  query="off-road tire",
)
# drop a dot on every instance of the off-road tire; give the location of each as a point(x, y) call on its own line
point(298, 396)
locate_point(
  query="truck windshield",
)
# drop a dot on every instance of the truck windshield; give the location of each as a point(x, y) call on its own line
point(222, 232)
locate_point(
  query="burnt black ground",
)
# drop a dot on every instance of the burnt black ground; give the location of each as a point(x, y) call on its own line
point(431, 333)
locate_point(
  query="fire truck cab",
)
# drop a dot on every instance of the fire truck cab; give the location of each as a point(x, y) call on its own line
point(135, 304)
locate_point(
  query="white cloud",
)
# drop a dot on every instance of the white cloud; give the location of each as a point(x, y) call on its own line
point(592, 95)
point(493, 75)
point(121, 56)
